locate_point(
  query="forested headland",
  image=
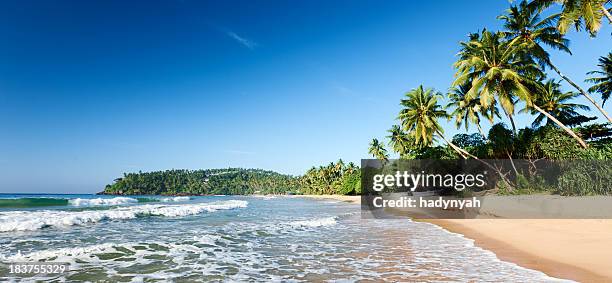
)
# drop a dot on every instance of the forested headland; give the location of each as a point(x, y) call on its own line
point(229, 181)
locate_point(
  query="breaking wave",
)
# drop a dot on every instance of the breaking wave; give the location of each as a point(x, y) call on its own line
point(175, 199)
point(101, 201)
point(35, 220)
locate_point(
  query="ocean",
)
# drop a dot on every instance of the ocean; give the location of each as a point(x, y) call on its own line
point(235, 239)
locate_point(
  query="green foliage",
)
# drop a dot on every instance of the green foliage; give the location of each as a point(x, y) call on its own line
point(468, 111)
point(498, 69)
point(551, 143)
point(595, 132)
point(335, 178)
point(203, 182)
point(401, 142)
point(501, 142)
point(467, 141)
point(586, 178)
point(437, 152)
point(350, 184)
point(602, 83)
point(377, 149)
point(549, 97)
point(420, 113)
point(582, 13)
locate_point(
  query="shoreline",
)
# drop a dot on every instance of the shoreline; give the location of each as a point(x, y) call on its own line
point(574, 249)
point(351, 199)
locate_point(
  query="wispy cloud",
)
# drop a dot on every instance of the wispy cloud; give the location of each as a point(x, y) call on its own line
point(243, 41)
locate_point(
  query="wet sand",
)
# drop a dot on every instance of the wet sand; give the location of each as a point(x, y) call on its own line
point(576, 249)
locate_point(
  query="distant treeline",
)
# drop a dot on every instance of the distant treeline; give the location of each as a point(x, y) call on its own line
point(230, 181)
point(335, 178)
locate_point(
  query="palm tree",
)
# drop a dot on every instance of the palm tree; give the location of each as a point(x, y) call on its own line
point(378, 150)
point(468, 111)
point(340, 166)
point(603, 84)
point(525, 29)
point(578, 13)
point(495, 70)
point(551, 99)
point(420, 115)
point(490, 66)
point(399, 141)
point(583, 12)
point(351, 167)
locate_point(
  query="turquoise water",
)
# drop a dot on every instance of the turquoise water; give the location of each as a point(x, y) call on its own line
point(233, 238)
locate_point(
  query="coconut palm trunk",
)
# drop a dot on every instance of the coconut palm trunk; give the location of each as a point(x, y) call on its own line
point(512, 163)
point(511, 121)
point(582, 91)
point(480, 130)
point(461, 152)
point(606, 12)
point(565, 128)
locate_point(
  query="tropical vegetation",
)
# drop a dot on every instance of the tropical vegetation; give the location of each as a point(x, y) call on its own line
point(602, 83)
point(335, 178)
point(498, 71)
point(230, 181)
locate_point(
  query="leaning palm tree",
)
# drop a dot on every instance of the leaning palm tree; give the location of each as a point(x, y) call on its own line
point(579, 13)
point(525, 29)
point(420, 115)
point(468, 111)
point(602, 83)
point(498, 72)
point(378, 150)
point(551, 99)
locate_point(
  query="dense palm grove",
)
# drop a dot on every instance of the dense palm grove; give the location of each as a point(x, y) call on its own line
point(335, 178)
point(498, 72)
point(231, 181)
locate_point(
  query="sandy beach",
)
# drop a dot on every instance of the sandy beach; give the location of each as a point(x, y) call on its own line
point(576, 249)
point(352, 199)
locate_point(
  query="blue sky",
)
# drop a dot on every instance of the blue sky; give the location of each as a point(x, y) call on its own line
point(92, 89)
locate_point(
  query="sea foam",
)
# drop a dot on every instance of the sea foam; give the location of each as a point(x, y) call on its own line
point(175, 199)
point(34, 220)
point(317, 222)
point(101, 201)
